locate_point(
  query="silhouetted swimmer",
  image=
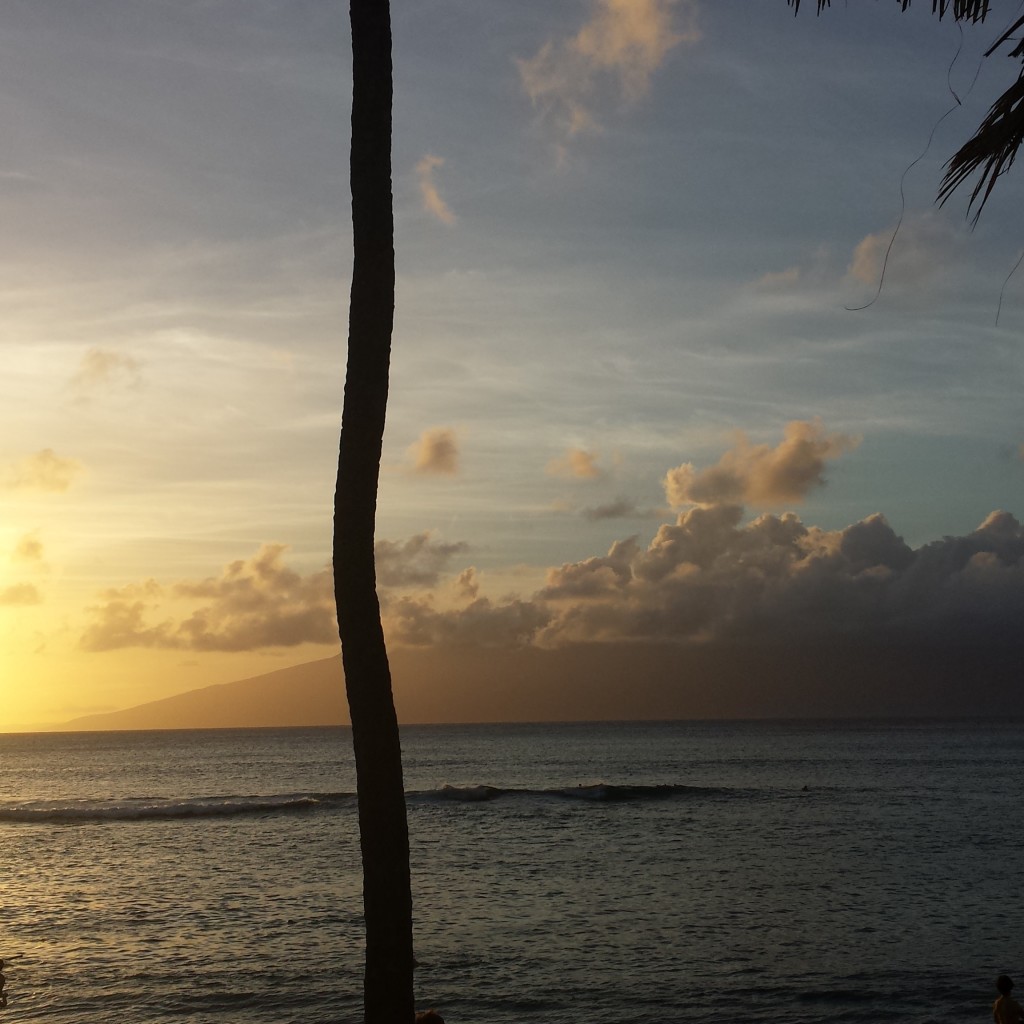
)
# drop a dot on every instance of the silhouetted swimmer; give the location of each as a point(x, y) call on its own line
point(429, 1017)
point(1006, 1009)
point(3, 980)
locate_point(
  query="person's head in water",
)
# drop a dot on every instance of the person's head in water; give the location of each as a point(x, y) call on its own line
point(429, 1017)
point(1004, 984)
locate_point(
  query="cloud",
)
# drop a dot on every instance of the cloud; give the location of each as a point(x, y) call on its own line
point(28, 549)
point(710, 580)
point(575, 464)
point(436, 452)
point(923, 248)
point(19, 595)
point(707, 577)
point(620, 508)
point(618, 50)
point(467, 584)
point(254, 603)
point(418, 561)
point(413, 621)
point(101, 368)
point(760, 475)
point(432, 201)
point(43, 471)
point(780, 280)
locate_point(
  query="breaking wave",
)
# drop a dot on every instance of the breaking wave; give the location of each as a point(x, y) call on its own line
point(166, 808)
point(149, 808)
point(598, 792)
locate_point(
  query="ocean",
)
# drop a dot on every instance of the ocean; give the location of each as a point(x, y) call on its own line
point(791, 872)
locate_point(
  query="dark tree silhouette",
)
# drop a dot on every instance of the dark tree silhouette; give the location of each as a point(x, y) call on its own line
point(383, 828)
point(990, 152)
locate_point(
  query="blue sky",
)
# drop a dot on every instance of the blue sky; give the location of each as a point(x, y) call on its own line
point(627, 232)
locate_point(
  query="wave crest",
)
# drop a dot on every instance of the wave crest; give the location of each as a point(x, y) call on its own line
point(599, 792)
point(124, 809)
point(150, 808)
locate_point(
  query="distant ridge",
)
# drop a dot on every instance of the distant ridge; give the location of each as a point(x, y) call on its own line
point(615, 682)
point(309, 694)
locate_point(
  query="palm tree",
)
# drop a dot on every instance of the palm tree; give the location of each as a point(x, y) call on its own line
point(383, 828)
point(990, 152)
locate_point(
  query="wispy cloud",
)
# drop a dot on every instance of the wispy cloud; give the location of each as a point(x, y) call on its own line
point(780, 280)
point(19, 595)
point(913, 257)
point(617, 50)
point(28, 549)
point(619, 508)
point(432, 201)
point(43, 471)
point(101, 368)
point(576, 464)
point(758, 474)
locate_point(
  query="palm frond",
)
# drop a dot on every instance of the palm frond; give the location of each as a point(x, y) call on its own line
point(963, 10)
point(990, 151)
point(1018, 50)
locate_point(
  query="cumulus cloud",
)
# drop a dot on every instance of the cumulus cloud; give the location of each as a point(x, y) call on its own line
point(415, 562)
point(576, 464)
point(413, 621)
point(617, 50)
point(43, 471)
point(259, 602)
point(254, 603)
point(19, 595)
point(432, 201)
point(758, 474)
point(709, 578)
point(436, 452)
point(102, 368)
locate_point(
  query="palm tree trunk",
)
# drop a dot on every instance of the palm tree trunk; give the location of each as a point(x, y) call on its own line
point(384, 837)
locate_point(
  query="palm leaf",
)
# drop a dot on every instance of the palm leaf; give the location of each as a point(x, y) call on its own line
point(963, 10)
point(990, 151)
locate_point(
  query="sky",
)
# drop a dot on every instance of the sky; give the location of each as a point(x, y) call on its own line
point(634, 401)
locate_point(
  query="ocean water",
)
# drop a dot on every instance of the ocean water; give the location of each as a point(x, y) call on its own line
point(790, 872)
